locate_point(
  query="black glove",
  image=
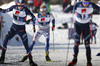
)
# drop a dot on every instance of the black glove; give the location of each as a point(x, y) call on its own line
point(53, 26)
point(34, 29)
point(1, 9)
point(28, 21)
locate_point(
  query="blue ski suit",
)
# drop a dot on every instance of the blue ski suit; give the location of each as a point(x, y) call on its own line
point(18, 26)
point(83, 16)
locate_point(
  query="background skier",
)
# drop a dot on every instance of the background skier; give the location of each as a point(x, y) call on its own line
point(94, 30)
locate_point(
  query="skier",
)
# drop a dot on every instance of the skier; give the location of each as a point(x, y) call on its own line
point(20, 13)
point(94, 30)
point(83, 12)
point(43, 19)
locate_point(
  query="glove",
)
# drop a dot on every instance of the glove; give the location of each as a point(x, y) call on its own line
point(73, 2)
point(34, 29)
point(28, 21)
point(53, 26)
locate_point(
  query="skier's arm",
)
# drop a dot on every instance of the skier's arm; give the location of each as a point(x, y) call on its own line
point(96, 25)
point(7, 10)
point(28, 12)
point(70, 8)
point(96, 7)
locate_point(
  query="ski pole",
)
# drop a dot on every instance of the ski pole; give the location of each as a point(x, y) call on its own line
point(1, 29)
point(70, 36)
point(53, 42)
point(32, 38)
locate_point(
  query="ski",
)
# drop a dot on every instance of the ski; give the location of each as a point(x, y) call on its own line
point(12, 63)
point(98, 54)
point(53, 61)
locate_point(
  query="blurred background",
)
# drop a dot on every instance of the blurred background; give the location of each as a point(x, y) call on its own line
point(34, 5)
point(51, 1)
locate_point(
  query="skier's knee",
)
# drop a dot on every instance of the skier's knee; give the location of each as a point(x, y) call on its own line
point(87, 42)
point(77, 39)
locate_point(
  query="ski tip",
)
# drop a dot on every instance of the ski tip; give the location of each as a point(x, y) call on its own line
point(49, 61)
point(98, 54)
point(53, 50)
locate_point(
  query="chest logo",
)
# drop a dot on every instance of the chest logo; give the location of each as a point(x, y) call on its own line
point(83, 10)
point(17, 12)
point(42, 19)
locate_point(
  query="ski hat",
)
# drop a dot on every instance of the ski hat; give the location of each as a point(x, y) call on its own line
point(86, 0)
point(20, 1)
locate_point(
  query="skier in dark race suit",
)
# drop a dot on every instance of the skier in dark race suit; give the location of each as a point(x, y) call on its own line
point(20, 13)
point(83, 11)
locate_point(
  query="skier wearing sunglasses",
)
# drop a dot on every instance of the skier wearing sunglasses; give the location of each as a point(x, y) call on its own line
point(83, 10)
point(20, 12)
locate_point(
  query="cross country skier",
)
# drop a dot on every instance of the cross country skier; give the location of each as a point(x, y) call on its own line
point(43, 19)
point(20, 13)
point(83, 12)
point(94, 30)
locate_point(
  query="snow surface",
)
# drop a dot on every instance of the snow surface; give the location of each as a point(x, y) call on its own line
point(15, 49)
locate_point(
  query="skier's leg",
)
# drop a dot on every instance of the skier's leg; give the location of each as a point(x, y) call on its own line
point(24, 38)
point(76, 45)
point(31, 46)
point(95, 35)
point(77, 38)
point(88, 53)
point(8, 36)
point(87, 44)
point(92, 37)
point(38, 35)
point(46, 34)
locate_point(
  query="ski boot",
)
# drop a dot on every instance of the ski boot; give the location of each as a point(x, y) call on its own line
point(32, 63)
point(24, 58)
point(89, 63)
point(95, 42)
point(2, 58)
point(73, 62)
point(47, 56)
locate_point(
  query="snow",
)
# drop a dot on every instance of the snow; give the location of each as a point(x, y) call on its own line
point(15, 49)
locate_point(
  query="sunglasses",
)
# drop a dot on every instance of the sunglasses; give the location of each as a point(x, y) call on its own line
point(86, 3)
point(43, 12)
point(21, 5)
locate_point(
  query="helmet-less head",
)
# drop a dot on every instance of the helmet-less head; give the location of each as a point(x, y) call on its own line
point(43, 10)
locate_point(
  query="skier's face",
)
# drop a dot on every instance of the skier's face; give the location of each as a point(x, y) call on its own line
point(85, 3)
point(20, 6)
point(43, 11)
